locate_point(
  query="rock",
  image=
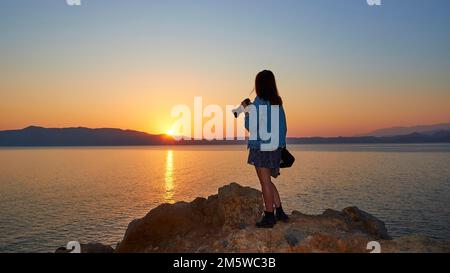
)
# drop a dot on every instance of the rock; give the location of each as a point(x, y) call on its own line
point(370, 223)
point(225, 223)
point(359, 219)
point(291, 238)
point(168, 225)
point(96, 248)
point(415, 244)
point(89, 248)
point(239, 206)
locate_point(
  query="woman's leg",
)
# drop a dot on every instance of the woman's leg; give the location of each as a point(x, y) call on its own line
point(266, 186)
point(281, 215)
point(276, 196)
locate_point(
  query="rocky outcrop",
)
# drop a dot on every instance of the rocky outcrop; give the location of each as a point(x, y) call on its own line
point(184, 226)
point(225, 223)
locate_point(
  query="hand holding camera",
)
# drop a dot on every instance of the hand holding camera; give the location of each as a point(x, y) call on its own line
point(241, 108)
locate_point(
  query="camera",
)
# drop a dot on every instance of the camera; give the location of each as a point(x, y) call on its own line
point(241, 108)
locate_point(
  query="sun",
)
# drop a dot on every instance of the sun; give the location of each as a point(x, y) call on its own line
point(170, 132)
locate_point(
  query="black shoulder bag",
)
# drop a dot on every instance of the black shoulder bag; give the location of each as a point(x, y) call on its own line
point(287, 159)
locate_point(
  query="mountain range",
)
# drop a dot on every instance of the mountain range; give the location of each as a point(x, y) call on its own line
point(395, 131)
point(78, 136)
point(81, 136)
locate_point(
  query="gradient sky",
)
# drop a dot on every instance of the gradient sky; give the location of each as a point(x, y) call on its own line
point(342, 67)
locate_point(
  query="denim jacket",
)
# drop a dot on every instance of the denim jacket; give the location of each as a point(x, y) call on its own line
point(255, 142)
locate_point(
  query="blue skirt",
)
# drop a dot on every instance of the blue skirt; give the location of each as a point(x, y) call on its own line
point(266, 159)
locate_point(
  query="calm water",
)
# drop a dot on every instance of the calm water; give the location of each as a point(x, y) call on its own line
point(49, 196)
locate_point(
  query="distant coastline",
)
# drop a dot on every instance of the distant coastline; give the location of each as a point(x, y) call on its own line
point(34, 136)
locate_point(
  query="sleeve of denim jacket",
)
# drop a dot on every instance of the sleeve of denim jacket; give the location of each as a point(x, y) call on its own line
point(247, 118)
point(247, 122)
point(283, 119)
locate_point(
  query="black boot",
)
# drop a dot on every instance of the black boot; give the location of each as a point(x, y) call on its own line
point(267, 221)
point(281, 216)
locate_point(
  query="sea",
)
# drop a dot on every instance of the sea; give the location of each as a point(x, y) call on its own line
point(52, 195)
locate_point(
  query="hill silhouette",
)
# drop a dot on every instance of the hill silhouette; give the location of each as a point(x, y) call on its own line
point(78, 136)
point(81, 136)
point(396, 131)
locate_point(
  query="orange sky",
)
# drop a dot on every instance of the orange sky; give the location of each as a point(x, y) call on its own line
point(143, 101)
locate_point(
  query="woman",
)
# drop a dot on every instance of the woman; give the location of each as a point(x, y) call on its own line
point(267, 163)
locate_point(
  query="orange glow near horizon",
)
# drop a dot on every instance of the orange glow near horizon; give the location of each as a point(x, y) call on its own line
point(303, 119)
point(143, 100)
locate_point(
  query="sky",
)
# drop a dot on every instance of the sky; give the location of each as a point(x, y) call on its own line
point(342, 67)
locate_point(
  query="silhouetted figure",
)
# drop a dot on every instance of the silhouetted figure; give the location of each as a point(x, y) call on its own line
point(267, 163)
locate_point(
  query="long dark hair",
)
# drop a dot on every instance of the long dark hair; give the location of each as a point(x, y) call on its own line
point(266, 87)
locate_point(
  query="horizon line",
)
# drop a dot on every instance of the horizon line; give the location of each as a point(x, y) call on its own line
point(165, 134)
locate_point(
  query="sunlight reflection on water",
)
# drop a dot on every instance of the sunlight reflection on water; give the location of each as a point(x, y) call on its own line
point(168, 178)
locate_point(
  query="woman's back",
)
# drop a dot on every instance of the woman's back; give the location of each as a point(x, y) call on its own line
point(260, 118)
